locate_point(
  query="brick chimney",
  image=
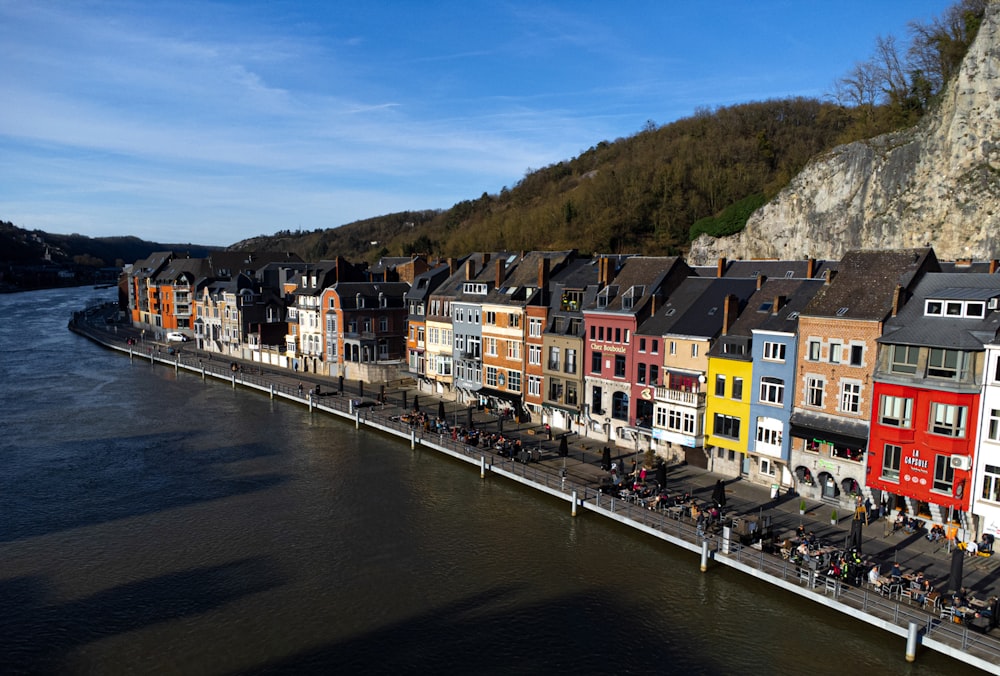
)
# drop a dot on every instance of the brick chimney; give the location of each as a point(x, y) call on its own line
point(897, 297)
point(470, 269)
point(827, 277)
point(543, 272)
point(779, 302)
point(451, 266)
point(500, 271)
point(810, 267)
point(720, 268)
point(730, 308)
point(760, 281)
point(993, 266)
point(486, 258)
point(602, 272)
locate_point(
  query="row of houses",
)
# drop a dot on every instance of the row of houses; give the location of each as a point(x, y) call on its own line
point(875, 376)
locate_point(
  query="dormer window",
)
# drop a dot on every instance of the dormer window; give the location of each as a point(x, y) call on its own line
point(969, 309)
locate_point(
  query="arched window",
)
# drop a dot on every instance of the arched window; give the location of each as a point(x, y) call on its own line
point(619, 406)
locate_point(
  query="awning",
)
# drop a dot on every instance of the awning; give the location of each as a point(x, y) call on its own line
point(834, 430)
point(512, 398)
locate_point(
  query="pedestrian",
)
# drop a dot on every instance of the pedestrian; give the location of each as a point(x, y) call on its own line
point(700, 525)
point(548, 431)
point(300, 389)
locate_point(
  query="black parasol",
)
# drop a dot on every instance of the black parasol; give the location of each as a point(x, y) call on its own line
point(854, 539)
point(719, 494)
point(957, 562)
point(661, 474)
point(441, 410)
point(606, 459)
point(563, 447)
point(468, 417)
point(416, 404)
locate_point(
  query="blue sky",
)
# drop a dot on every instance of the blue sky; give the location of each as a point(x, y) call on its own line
point(210, 122)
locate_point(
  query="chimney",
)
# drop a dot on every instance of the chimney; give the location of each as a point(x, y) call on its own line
point(897, 297)
point(779, 302)
point(993, 266)
point(720, 268)
point(827, 277)
point(602, 272)
point(499, 273)
point(810, 267)
point(470, 269)
point(730, 307)
point(760, 281)
point(652, 305)
point(451, 266)
point(543, 272)
point(486, 259)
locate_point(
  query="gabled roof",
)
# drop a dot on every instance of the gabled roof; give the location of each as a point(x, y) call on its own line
point(520, 275)
point(695, 308)
point(426, 283)
point(192, 269)
point(913, 326)
point(865, 284)
point(780, 302)
point(638, 280)
point(370, 292)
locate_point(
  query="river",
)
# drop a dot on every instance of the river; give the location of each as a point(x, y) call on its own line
point(153, 522)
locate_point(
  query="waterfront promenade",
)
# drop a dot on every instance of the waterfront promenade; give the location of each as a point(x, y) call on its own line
point(575, 479)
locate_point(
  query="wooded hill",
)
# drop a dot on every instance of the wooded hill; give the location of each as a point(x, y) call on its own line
point(653, 192)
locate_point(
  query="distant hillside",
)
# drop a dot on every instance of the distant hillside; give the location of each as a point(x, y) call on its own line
point(36, 259)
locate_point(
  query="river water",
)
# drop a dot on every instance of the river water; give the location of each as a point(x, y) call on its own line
point(152, 522)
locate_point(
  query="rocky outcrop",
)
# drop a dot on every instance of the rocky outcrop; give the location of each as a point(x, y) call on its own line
point(937, 184)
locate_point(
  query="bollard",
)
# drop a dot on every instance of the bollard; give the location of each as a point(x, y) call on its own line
point(357, 417)
point(911, 642)
point(234, 380)
point(704, 555)
point(202, 371)
point(311, 402)
point(413, 439)
point(482, 467)
point(271, 387)
point(177, 363)
point(573, 510)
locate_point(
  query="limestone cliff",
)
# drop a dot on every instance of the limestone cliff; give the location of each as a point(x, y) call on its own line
point(937, 184)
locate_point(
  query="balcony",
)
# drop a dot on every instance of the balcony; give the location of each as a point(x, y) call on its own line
point(696, 399)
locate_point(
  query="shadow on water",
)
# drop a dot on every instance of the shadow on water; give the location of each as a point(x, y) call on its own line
point(43, 634)
point(106, 479)
point(494, 633)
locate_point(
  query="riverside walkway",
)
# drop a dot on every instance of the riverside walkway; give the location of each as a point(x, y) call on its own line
point(576, 479)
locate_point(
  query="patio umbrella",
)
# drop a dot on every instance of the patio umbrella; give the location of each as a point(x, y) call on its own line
point(719, 494)
point(606, 459)
point(468, 417)
point(661, 474)
point(563, 447)
point(416, 403)
point(441, 410)
point(957, 562)
point(854, 540)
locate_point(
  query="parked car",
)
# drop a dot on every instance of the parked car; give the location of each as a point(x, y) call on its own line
point(176, 337)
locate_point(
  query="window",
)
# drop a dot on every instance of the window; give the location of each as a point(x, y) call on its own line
point(768, 435)
point(490, 346)
point(535, 355)
point(595, 361)
point(772, 390)
point(944, 475)
point(903, 359)
point(850, 397)
point(673, 347)
point(991, 483)
point(642, 345)
point(813, 350)
point(891, 458)
point(619, 406)
point(534, 386)
point(857, 355)
point(570, 393)
point(726, 426)
point(491, 376)
point(738, 389)
point(896, 411)
point(694, 349)
point(680, 421)
point(949, 364)
point(619, 366)
point(534, 327)
point(720, 386)
point(513, 349)
point(641, 377)
point(814, 392)
point(948, 419)
point(836, 348)
point(597, 400)
point(513, 320)
point(654, 374)
point(554, 354)
point(656, 346)
point(774, 351)
point(490, 318)
point(513, 381)
point(570, 361)
point(993, 425)
point(767, 467)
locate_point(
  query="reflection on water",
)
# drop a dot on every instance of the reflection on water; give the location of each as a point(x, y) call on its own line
point(154, 522)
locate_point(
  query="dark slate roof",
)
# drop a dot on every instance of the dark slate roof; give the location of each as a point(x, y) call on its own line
point(485, 274)
point(695, 308)
point(370, 291)
point(865, 283)
point(426, 283)
point(912, 327)
point(520, 276)
point(769, 268)
point(966, 266)
point(194, 268)
point(794, 295)
point(647, 272)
